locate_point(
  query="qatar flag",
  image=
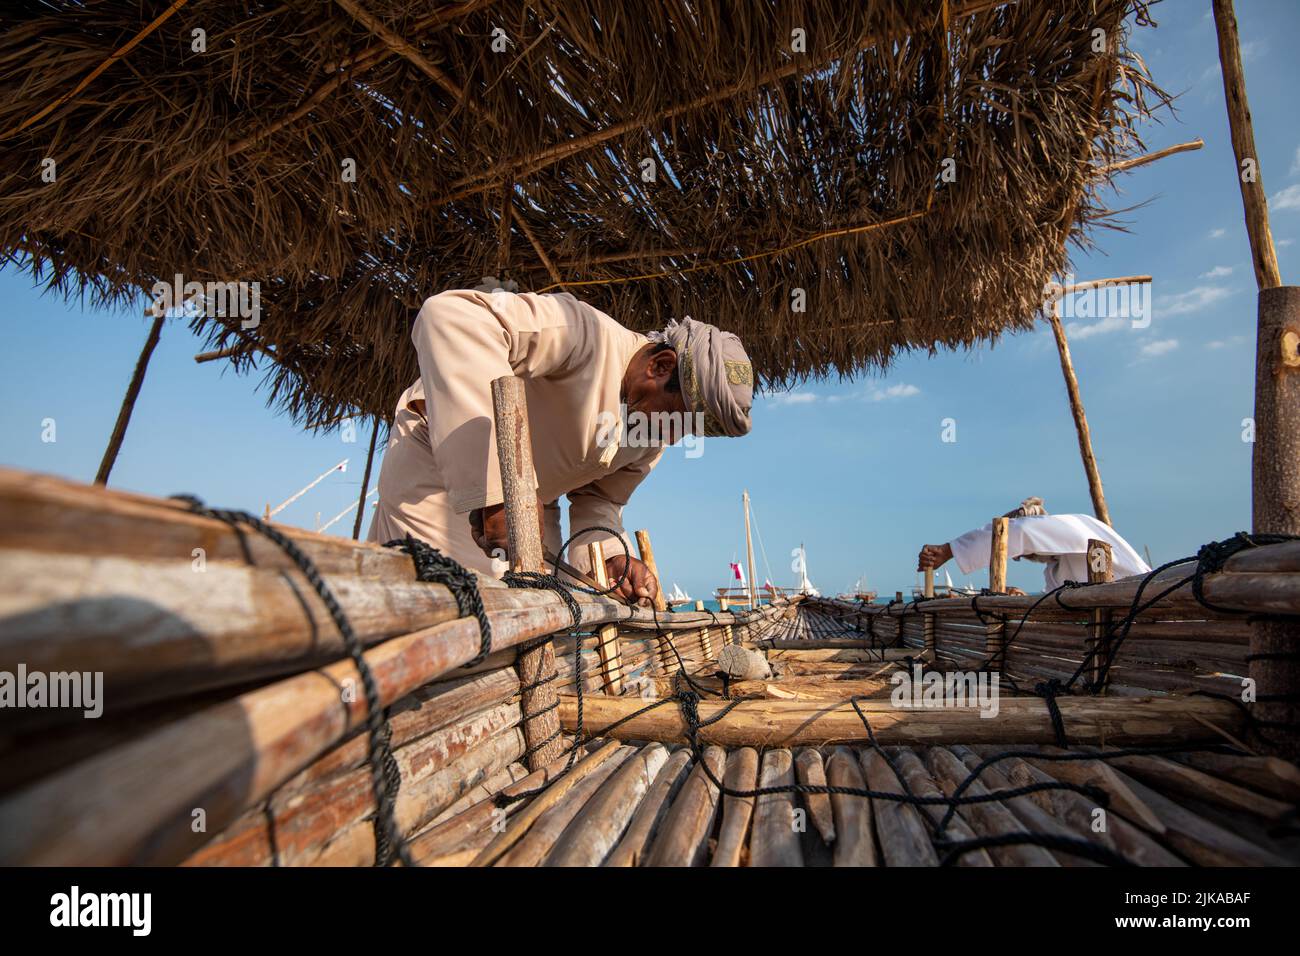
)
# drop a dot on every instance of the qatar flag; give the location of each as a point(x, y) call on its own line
point(737, 573)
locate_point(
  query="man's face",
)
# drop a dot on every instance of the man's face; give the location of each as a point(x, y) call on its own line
point(646, 390)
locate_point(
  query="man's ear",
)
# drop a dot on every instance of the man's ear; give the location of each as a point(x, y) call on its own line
point(662, 364)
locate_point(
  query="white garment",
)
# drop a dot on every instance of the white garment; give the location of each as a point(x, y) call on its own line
point(1059, 541)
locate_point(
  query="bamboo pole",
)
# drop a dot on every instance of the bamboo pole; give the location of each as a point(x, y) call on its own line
point(749, 551)
point(128, 401)
point(647, 553)
point(1099, 508)
point(1262, 251)
point(931, 645)
point(536, 663)
point(706, 641)
point(365, 483)
point(995, 633)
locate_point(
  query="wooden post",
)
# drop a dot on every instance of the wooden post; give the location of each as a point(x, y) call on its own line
point(365, 483)
point(664, 655)
point(995, 633)
point(128, 401)
point(1263, 254)
point(723, 605)
point(1099, 508)
point(749, 550)
point(535, 663)
point(706, 642)
point(1275, 458)
point(1099, 572)
point(1275, 475)
point(611, 659)
point(931, 645)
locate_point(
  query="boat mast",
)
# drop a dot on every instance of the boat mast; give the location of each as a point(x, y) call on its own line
point(749, 550)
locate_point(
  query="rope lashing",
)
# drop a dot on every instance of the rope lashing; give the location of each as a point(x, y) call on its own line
point(385, 778)
point(434, 567)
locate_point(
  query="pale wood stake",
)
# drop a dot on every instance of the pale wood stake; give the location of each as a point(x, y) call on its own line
point(1100, 571)
point(536, 663)
point(611, 659)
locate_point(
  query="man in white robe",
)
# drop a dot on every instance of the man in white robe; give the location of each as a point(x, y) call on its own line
point(1059, 542)
point(584, 374)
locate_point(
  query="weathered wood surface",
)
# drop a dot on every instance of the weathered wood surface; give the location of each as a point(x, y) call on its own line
point(811, 772)
point(855, 843)
point(644, 827)
point(737, 812)
point(683, 836)
point(775, 840)
point(597, 829)
point(779, 723)
point(904, 839)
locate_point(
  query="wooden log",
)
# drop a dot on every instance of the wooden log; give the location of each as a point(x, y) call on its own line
point(1177, 779)
point(919, 781)
point(1099, 774)
point(1083, 433)
point(683, 837)
point(706, 640)
point(647, 554)
point(1079, 813)
point(904, 840)
point(986, 819)
point(742, 774)
point(812, 773)
point(534, 846)
point(521, 822)
point(134, 803)
point(775, 839)
point(853, 655)
point(931, 647)
point(610, 658)
point(536, 663)
point(635, 843)
point(597, 829)
point(1271, 775)
point(128, 400)
point(1275, 477)
point(996, 631)
point(780, 723)
point(855, 843)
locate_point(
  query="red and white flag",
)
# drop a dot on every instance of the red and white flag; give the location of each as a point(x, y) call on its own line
point(737, 572)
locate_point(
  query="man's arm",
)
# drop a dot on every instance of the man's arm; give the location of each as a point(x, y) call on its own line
point(600, 503)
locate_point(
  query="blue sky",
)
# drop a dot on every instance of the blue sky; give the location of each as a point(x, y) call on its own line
point(858, 470)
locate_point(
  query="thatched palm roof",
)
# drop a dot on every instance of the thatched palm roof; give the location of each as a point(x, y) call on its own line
point(527, 163)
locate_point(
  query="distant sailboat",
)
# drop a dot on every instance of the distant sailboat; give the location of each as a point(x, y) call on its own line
point(805, 586)
point(677, 595)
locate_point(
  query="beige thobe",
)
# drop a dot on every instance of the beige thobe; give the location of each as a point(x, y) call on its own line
point(442, 463)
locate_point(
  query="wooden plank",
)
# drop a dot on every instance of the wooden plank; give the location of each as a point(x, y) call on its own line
point(855, 843)
point(683, 837)
point(904, 839)
point(812, 773)
point(597, 829)
point(635, 844)
point(737, 812)
point(775, 841)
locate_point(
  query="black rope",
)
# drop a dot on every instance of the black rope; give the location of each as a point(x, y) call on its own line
point(434, 567)
point(385, 778)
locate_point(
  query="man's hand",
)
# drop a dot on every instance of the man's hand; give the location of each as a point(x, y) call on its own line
point(488, 526)
point(933, 556)
point(639, 587)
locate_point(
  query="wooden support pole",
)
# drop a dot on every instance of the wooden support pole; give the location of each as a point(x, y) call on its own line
point(611, 659)
point(706, 640)
point(536, 662)
point(664, 655)
point(128, 401)
point(931, 643)
point(1263, 253)
point(1275, 475)
point(1100, 571)
point(749, 551)
point(365, 483)
point(995, 632)
point(723, 605)
point(1099, 508)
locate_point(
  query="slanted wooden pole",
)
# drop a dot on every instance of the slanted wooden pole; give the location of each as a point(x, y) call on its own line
point(1099, 508)
point(995, 632)
point(1263, 253)
point(365, 483)
point(611, 658)
point(931, 646)
point(647, 553)
point(1275, 459)
point(536, 663)
point(128, 401)
point(749, 550)
point(723, 605)
point(1099, 572)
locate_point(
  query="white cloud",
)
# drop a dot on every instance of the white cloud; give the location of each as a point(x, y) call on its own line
point(1193, 300)
point(1112, 324)
point(1224, 343)
point(792, 398)
point(1285, 242)
point(1288, 198)
point(1218, 272)
point(901, 390)
point(1159, 347)
point(1218, 233)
